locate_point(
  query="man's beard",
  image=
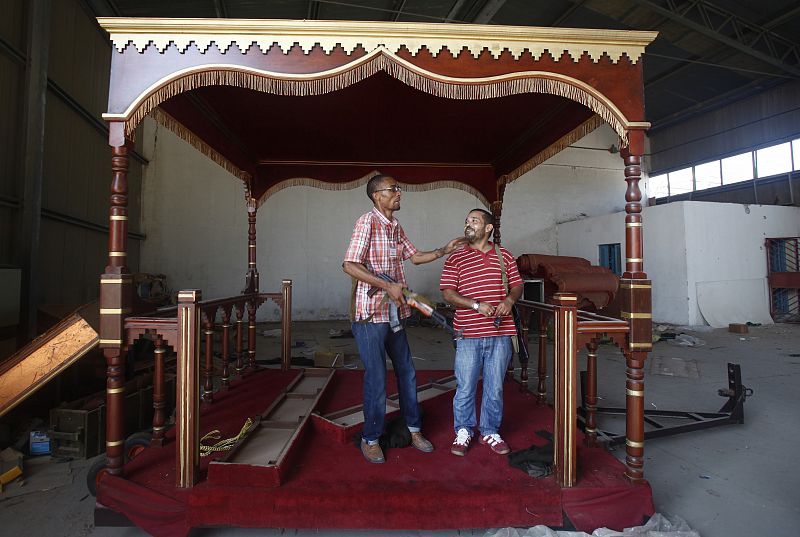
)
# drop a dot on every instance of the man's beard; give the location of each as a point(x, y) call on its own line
point(471, 235)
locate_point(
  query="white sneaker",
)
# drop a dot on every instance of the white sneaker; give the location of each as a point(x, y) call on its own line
point(461, 443)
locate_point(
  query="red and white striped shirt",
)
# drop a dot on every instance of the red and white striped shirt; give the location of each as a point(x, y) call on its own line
point(476, 275)
point(381, 246)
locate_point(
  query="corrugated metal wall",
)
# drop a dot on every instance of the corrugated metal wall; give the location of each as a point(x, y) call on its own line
point(765, 119)
point(77, 158)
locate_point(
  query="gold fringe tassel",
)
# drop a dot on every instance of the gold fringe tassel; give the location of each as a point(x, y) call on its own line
point(223, 445)
point(381, 62)
point(562, 143)
point(175, 126)
point(350, 185)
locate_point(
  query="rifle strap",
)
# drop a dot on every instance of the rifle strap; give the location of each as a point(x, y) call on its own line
point(514, 338)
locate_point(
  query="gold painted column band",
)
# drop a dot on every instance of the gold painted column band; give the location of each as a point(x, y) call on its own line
point(635, 315)
point(117, 254)
point(115, 443)
point(117, 281)
point(110, 342)
point(634, 444)
point(634, 393)
point(634, 286)
point(114, 311)
point(640, 345)
point(117, 217)
point(115, 390)
point(634, 259)
point(633, 224)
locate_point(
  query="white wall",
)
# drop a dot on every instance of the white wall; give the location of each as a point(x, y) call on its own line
point(196, 225)
point(688, 245)
point(194, 217)
point(574, 184)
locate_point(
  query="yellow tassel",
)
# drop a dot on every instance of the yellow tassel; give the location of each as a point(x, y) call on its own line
point(223, 445)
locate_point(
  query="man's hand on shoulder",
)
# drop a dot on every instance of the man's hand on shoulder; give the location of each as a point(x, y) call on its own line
point(453, 245)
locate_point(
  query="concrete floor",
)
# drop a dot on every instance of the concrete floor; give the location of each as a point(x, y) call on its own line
point(734, 480)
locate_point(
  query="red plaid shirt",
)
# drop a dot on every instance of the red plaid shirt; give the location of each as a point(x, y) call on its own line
point(381, 246)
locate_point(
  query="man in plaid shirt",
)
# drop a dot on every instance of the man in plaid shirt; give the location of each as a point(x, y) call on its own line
point(379, 246)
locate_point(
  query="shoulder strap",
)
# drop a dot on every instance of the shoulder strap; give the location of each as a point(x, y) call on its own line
point(502, 266)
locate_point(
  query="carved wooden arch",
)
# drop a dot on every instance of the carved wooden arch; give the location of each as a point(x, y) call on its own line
point(380, 59)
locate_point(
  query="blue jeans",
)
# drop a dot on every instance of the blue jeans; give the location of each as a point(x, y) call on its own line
point(375, 341)
point(489, 355)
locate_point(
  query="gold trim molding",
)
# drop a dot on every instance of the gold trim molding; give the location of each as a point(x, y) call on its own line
point(356, 183)
point(307, 34)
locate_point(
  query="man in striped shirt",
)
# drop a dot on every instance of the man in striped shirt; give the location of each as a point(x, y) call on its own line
point(472, 281)
point(379, 246)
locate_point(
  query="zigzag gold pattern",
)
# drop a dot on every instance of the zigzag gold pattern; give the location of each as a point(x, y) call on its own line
point(192, 139)
point(350, 185)
point(370, 35)
point(559, 145)
point(380, 60)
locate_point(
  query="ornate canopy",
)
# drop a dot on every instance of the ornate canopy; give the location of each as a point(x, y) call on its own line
point(280, 103)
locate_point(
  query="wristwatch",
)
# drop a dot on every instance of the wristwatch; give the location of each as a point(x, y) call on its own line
point(476, 305)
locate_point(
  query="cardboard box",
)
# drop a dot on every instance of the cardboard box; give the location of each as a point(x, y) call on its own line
point(737, 328)
point(39, 443)
point(10, 466)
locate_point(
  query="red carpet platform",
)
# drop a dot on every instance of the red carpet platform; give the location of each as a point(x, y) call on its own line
point(329, 485)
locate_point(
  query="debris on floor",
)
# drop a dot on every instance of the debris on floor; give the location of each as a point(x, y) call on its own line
point(340, 334)
point(660, 525)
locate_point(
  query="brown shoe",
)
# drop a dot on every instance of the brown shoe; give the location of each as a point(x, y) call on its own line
point(421, 443)
point(372, 452)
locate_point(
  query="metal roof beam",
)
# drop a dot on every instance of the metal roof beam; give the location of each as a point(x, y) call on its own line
point(488, 11)
point(221, 9)
point(716, 23)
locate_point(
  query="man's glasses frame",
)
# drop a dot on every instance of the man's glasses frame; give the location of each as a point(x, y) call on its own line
point(393, 188)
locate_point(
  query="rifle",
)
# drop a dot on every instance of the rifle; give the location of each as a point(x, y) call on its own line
point(522, 348)
point(420, 303)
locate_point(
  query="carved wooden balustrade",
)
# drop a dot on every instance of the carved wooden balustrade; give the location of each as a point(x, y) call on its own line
point(573, 329)
point(190, 330)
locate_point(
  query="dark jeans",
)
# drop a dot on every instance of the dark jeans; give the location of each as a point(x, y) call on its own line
point(375, 341)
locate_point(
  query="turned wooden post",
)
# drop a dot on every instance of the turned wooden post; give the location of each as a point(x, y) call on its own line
point(565, 382)
point(497, 211)
point(541, 390)
point(525, 317)
point(591, 393)
point(159, 395)
point(226, 335)
point(239, 340)
point(286, 325)
point(251, 280)
point(208, 370)
point(251, 334)
point(116, 287)
point(636, 308)
point(187, 403)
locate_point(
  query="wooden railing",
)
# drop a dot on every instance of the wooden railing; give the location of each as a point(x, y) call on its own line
point(573, 329)
point(190, 330)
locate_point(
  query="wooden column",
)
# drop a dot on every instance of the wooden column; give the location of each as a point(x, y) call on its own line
point(251, 280)
point(636, 308)
point(187, 400)
point(116, 288)
point(525, 317)
point(286, 325)
point(565, 382)
point(159, 394)
point(497, 212)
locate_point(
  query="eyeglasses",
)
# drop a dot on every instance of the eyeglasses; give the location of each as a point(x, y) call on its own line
point(393, 188)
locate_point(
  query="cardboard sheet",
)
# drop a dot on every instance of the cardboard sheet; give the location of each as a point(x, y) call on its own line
point(734, 301)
